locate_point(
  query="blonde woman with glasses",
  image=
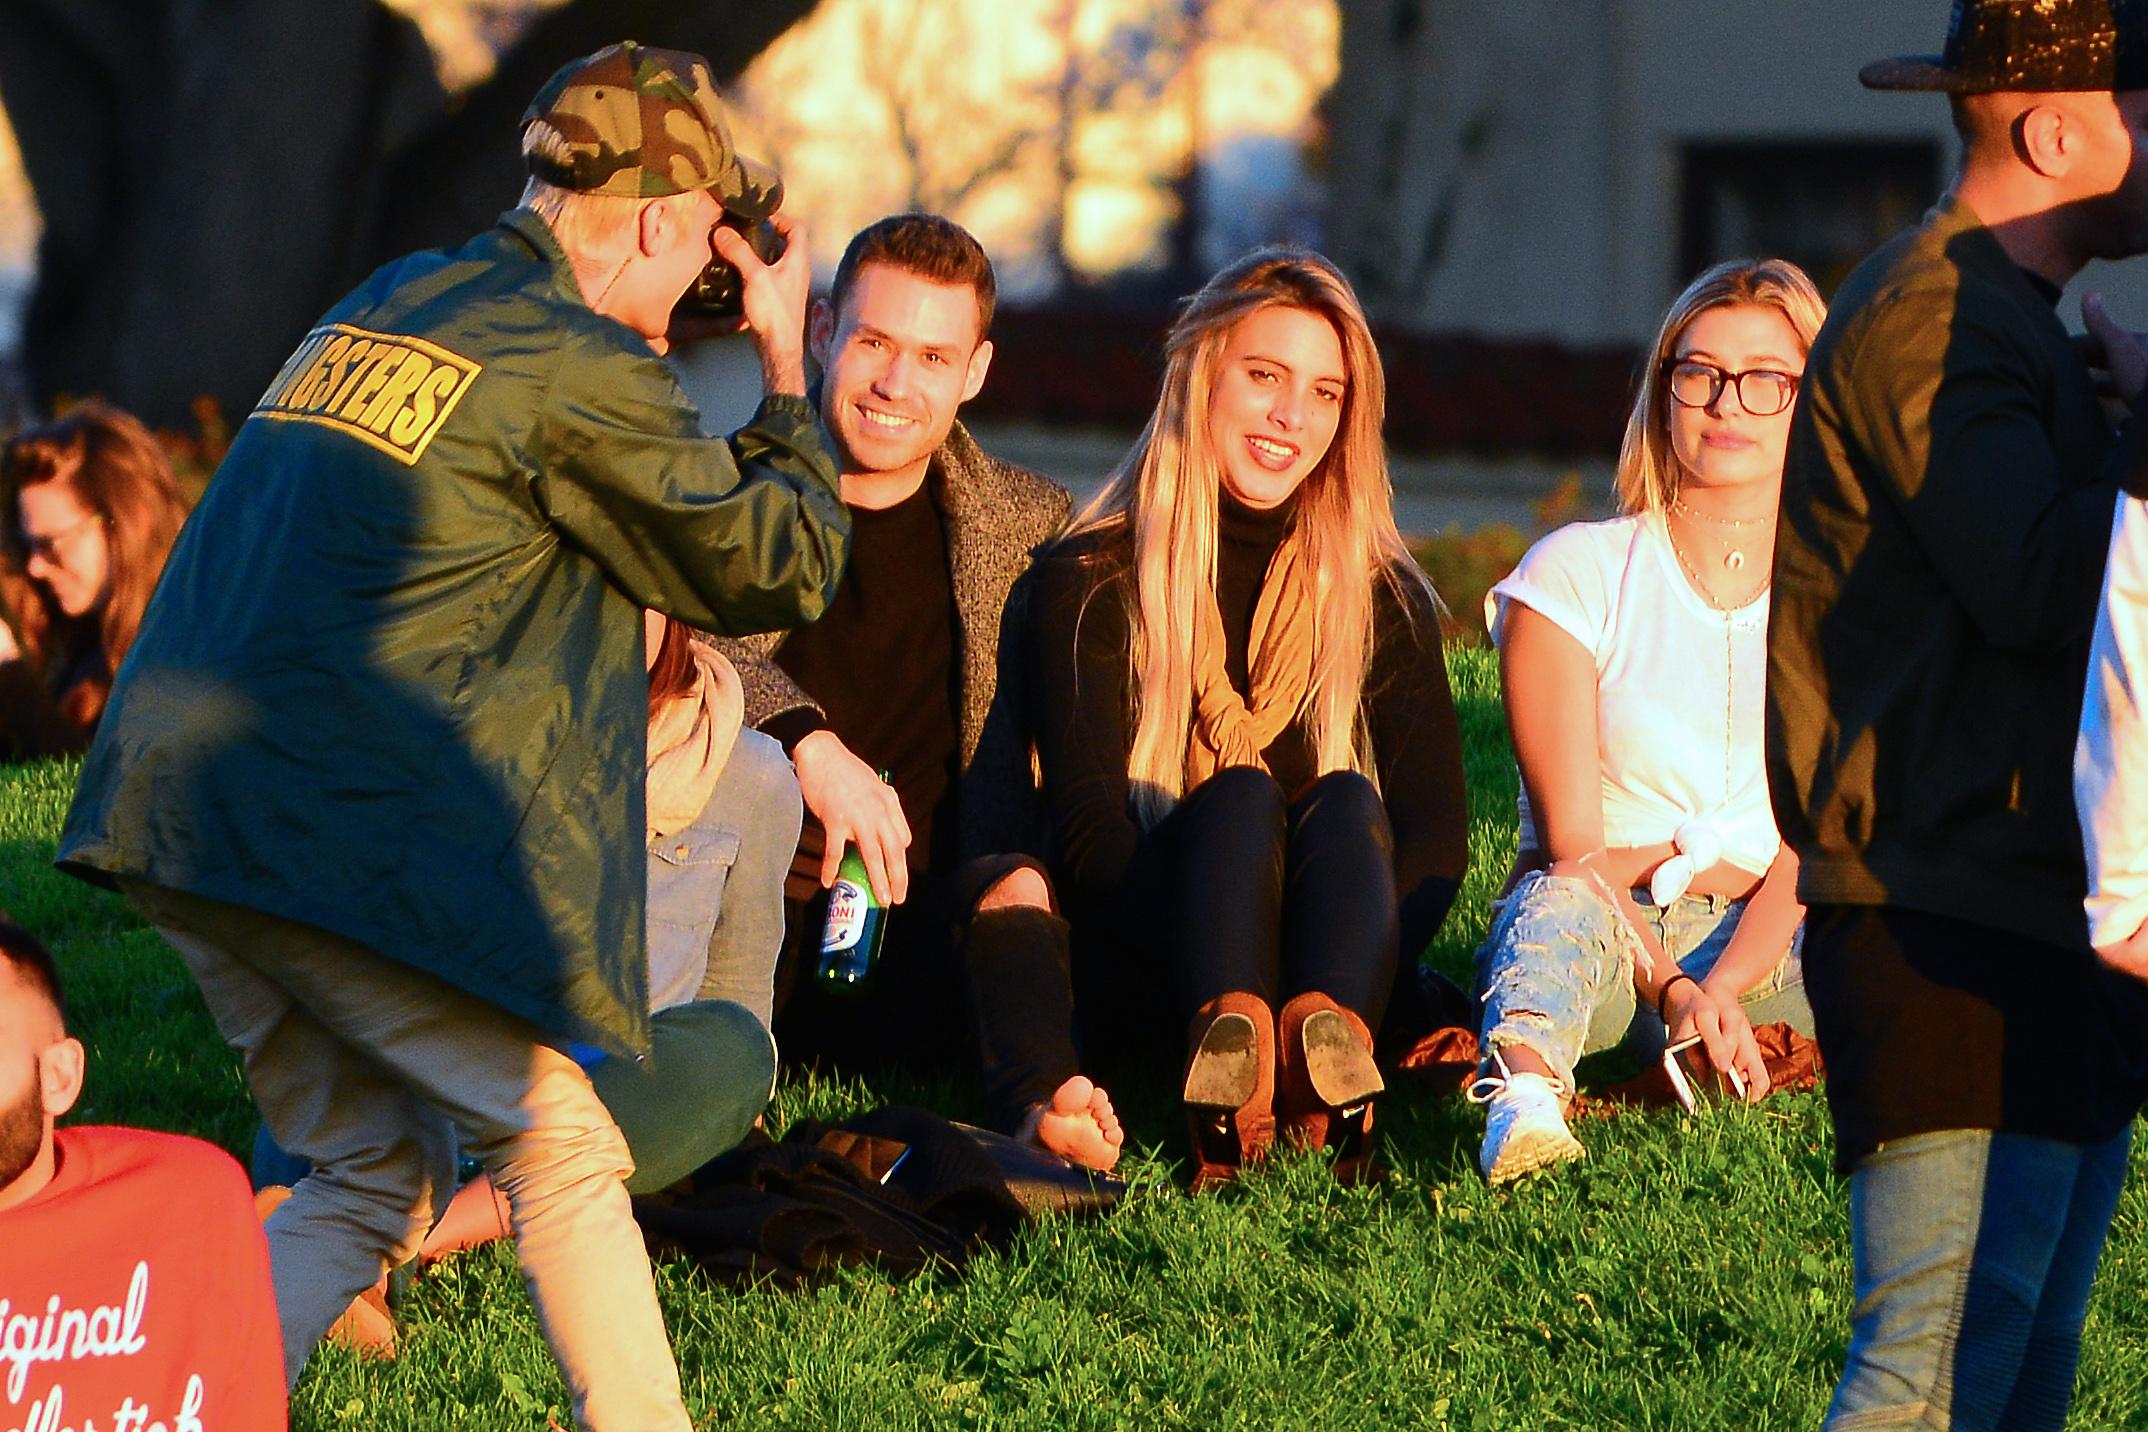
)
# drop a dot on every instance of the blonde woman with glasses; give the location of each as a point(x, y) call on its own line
point(1652, 896)
point(1243, 722)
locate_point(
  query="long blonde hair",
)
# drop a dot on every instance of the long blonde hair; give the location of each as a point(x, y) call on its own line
point(1648, 471)
point(1168, 491)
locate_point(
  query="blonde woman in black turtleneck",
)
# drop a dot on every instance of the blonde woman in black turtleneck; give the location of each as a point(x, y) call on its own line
point(1242, 717)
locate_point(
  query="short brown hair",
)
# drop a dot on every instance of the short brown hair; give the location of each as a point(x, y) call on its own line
point(939, 250)
point(20, 951)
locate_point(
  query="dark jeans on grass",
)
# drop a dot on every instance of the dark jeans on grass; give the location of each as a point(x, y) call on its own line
point(951, 983)
point(1238, 888)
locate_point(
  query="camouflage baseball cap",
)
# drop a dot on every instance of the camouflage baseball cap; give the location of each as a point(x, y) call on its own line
point(639, 123)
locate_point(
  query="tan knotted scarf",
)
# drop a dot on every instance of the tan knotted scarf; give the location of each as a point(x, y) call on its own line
point(1230, 730)
point(689, 740)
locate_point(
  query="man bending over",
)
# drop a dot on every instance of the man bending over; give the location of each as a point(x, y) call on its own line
point(376, 763)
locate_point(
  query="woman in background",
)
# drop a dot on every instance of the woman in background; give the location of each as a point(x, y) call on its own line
point(90, 512)
point(721, 817)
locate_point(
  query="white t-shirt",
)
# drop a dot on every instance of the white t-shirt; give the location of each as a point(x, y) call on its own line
point(1668, 668)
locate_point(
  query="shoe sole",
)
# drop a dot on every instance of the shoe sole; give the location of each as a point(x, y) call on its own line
point(1527, 1153)
point(1339, 1067)
point(1225, 1070)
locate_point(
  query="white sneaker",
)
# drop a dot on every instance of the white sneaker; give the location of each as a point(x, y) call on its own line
point(1524, 1125)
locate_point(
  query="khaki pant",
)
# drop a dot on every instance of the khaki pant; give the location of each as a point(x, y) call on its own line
point(369, 1068)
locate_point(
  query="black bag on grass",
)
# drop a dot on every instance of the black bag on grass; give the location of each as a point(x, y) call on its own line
point(898, 1187)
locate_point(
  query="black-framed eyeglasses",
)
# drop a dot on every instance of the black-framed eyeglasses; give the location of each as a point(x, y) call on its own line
point(1762, 392)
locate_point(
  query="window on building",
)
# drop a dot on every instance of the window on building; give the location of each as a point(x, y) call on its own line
point(1822, 205)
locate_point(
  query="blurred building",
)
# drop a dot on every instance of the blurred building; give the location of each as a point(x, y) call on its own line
point(1518, 187)
point(1109, 148)
point(1521, 169)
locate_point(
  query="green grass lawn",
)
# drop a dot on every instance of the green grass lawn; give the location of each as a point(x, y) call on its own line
point(1691, 1274)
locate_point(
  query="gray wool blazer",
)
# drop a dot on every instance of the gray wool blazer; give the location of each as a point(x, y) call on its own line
point(995, 514)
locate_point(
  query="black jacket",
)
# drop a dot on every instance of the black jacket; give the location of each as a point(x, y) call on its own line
point(1946, 506)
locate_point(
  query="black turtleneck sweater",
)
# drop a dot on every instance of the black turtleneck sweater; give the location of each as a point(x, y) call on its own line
point(1078, 706)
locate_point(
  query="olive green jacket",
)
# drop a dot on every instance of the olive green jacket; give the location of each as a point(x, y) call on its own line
point(392, 681)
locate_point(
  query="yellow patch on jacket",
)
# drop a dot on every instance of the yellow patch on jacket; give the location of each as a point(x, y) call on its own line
point(388, 391)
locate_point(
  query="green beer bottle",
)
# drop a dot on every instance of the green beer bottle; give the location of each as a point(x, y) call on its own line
point(857, 922)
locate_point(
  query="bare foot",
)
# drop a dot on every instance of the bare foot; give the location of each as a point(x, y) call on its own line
point(475, 1216)
point(367, 1327)
point(1079, 1124)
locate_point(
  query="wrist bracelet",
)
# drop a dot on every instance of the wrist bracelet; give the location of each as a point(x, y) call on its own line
point(1663, 995)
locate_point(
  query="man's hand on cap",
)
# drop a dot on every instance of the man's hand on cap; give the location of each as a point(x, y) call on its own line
point(775, 298)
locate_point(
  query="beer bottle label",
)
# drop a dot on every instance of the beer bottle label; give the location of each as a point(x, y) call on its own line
point(847, 906)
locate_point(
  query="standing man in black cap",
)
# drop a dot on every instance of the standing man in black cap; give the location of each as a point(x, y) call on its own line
point(1947, 501)
point(375, 765)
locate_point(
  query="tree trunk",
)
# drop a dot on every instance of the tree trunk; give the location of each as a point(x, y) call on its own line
point(1430, 92)
point(213, 176)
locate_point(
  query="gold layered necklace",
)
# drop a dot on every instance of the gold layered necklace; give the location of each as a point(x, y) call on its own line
point(1739, 531)
point(1734, 560)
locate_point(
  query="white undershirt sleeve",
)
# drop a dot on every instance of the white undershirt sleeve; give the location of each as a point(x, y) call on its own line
point(1568, 577)
point(2110, 760)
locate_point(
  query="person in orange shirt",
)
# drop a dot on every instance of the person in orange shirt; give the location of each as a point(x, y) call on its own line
point(103, 1293)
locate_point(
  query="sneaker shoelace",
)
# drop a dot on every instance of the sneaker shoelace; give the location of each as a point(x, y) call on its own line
point(1487, 1087)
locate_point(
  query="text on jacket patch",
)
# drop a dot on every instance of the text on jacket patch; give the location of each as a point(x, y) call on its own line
point(387, 390)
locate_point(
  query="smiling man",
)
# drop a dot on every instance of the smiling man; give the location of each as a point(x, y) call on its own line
point(899, 676)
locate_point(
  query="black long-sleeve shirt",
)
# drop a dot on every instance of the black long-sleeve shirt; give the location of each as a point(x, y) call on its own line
point(1078, 709)
point(1946, 507)
point(881, 662)
point(1946, 510)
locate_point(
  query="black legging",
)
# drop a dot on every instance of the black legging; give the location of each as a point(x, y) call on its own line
point(1236, 889)
point(1275, 896)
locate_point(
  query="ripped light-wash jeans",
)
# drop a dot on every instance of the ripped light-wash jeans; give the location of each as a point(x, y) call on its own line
point(1555, 974)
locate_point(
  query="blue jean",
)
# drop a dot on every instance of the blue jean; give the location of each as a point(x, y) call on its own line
point(716, 887)
point(1974, 1254)
point(1555, 973)
point(709, 1074)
